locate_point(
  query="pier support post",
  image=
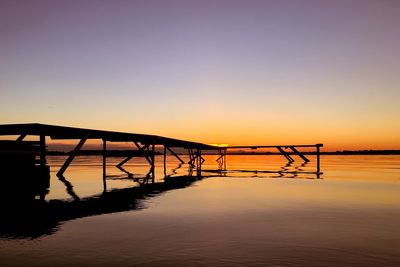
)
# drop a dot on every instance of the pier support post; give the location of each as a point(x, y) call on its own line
point(165, 161)
point(150, 159)
point(195, 157)
point(104, 165)
point(191, 157)
point(152, 156)
point(318, 158)
point(42, 150)
point(224, 159)
point(198, 162)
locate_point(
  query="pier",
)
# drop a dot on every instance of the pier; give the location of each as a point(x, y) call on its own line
point(14, 152)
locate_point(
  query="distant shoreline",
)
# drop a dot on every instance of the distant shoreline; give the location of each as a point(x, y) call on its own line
point(119, 153)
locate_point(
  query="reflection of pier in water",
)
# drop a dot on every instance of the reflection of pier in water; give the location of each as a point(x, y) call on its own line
point(34, 219)
point(22, 219)
point(286, 171)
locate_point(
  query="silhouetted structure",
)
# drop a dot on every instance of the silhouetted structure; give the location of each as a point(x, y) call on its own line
point(22, 171)
point(25, 175)
point(29, 157)
point(145, 143)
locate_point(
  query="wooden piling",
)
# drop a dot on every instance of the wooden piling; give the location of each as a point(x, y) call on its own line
point(42, 150)
point(104, 165)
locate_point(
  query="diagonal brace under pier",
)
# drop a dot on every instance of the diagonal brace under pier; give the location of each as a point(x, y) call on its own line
point(283, 152)
point(140, 149)
point(71, 156)
point(298, 153)
point(176, 155)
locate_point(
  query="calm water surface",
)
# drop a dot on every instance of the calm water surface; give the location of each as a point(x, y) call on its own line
point(350, 217)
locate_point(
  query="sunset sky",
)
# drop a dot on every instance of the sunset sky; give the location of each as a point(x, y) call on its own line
point(236, 72)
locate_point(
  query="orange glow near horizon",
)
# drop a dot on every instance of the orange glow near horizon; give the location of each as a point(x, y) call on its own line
point(247, 75)
point(219, 145)
point(329, 144)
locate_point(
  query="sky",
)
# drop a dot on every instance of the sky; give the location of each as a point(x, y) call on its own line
point(233, 72)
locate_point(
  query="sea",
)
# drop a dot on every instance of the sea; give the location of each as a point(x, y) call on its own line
point(259, 211)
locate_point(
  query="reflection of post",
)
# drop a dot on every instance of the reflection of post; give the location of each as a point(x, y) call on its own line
point(224, 159)
point(104, 165)
point(152, 160)
point(42, 150)
point(318, 160)
point(220, 159)
point(190, 156)
point(198, 162)
point(165, 161)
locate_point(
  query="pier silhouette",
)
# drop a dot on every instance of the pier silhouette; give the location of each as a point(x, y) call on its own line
point(25, 174)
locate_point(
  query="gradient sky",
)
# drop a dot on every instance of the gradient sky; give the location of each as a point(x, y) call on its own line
point(237, 72)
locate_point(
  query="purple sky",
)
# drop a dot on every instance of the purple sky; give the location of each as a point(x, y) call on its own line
point(237, 72)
